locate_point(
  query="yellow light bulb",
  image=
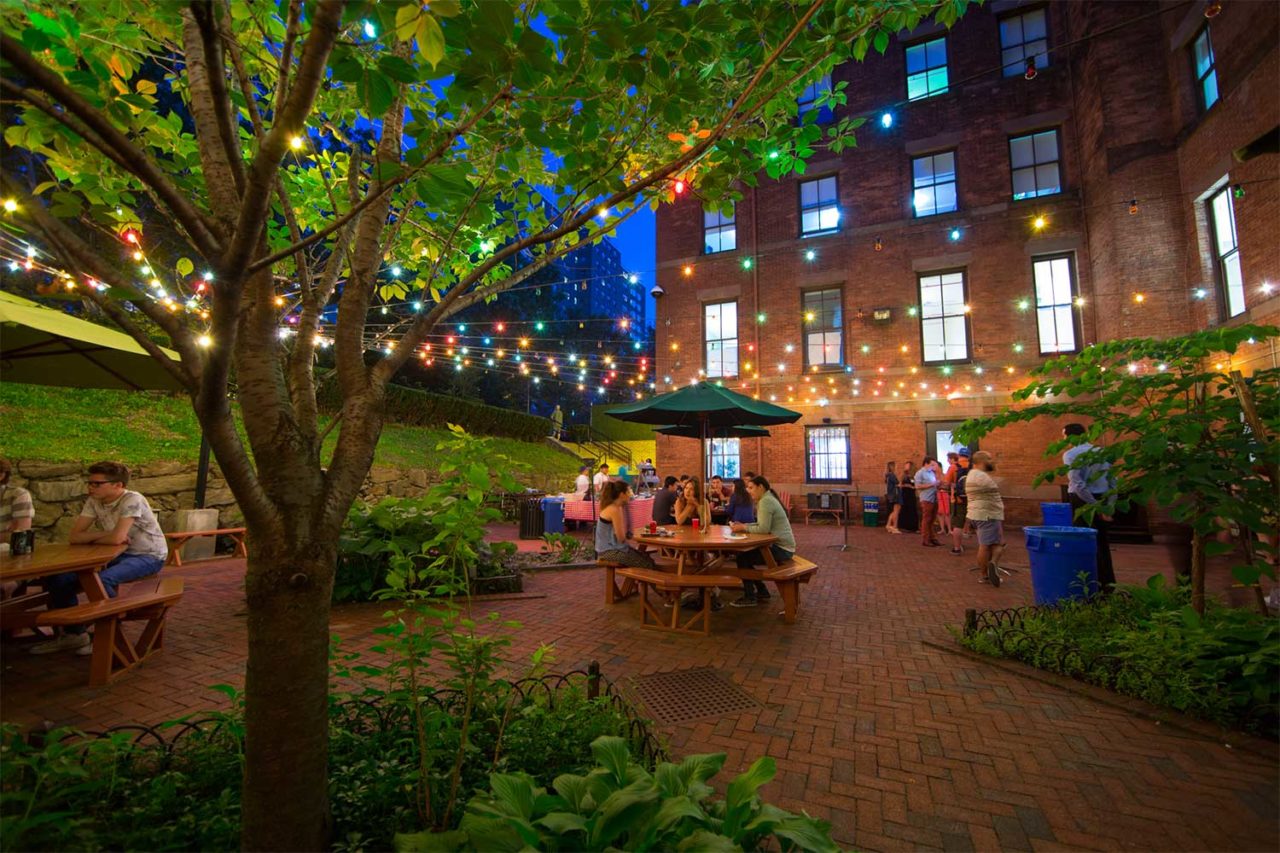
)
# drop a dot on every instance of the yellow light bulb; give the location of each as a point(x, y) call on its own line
point(10, 205)
point(296, 143)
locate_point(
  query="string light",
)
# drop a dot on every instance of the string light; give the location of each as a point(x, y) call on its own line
point(10, 205)
point(1039, 222)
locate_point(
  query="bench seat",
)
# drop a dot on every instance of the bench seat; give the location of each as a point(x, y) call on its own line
point(147, 600)
point(787, 577)
point(177, 540)
point(652, 617)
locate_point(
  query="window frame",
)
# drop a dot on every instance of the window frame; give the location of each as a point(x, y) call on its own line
point(1013, 191)
point(931, 430)
point(706, 341)
point(1076, 326)
point(848, 454)
point(712, 456)
point(720, 228)
point(801, 209)
point(1220, 258)
point(955, 182)
point(805, 331)
point(968, 325)
point(1019, 67)
point(1203, 33)
point(823, 114)
point(946, 65)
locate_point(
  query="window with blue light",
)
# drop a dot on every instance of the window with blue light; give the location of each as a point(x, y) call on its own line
point(1035, 164)
point(1206, 69)
point(944, 317)
point(720, 328)
point(927, 69)
point(1056, 319)
point(819, 206)
point(823, 328)
point(720, 231)
point(933, 182)
point(808, 100)
point(1023, 36)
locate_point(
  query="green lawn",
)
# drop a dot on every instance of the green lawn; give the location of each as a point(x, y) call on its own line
point(74, 425)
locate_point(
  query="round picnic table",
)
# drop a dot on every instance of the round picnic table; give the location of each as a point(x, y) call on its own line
point(709, 546)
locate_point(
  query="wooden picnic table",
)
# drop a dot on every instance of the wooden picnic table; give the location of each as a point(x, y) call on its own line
point(55, 558)
point(698, 544)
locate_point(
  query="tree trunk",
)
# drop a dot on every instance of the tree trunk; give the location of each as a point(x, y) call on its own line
point(1197, 572)
point(285, 804)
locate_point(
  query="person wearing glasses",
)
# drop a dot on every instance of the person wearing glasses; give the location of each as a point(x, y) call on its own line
point(113, 515)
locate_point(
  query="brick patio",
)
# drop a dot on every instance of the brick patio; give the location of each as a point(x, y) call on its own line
point(899, 743)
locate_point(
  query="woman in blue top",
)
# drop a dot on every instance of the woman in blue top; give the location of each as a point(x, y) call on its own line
point(740, 507)
point(611, 528)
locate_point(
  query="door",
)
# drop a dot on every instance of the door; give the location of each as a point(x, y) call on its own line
point(939, 441)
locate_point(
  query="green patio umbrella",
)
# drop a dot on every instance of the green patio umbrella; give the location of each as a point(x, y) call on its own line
point(692, 431)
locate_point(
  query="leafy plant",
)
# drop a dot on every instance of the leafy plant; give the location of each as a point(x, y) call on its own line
point(1180, 429)
point(565, 547)
point(621, 805)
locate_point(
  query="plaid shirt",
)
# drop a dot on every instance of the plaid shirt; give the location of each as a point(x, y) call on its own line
point(14, 503)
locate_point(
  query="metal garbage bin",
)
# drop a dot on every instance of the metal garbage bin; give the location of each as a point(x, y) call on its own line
point(870, 511)
point(532, 520)
point(553, 515)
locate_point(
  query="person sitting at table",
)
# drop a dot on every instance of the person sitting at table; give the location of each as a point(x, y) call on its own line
point(717, 494)
point(611, 528)
point(741, 508)
point(665, 501)
point(113, 515)
point(772, 520)
point(689, 504)
point(16, 512)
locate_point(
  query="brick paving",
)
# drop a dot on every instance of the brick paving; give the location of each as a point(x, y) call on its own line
point(899, 744)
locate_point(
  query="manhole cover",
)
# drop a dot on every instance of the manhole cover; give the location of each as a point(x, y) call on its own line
point(688, 694)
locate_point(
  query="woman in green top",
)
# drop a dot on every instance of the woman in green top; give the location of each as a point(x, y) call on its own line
point(771, 518)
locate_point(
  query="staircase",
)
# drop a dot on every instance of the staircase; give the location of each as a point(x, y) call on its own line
point(598, 446)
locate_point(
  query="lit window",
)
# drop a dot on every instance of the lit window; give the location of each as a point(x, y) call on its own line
point(725, 459)
point(1023, 36)
point(721, 324)
point(720, 231)
point(819, 207)
point(808, 100)
point(824, 334)
point(1227, 250)
point(827, 449)
point(1055, 303)
point(933, 180)
point(944, 323)
point(926, 69)
point(1206, 70)
point(1034, 161)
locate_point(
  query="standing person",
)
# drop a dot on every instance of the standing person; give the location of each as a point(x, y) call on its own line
point(986, 511)
point(611, 528)
point(742, 508)
point(959, 500)
point(772, 519)
point(624, 474)
point(892, 494)
point(16, 512)
point(112, 515)
point(601, 477)
point(583, 483)
point(926, 480)
point(945, 482)
point(665, 501)
point(557, 422)
point(1089, 484)
point(909, 518)
point(689, 504)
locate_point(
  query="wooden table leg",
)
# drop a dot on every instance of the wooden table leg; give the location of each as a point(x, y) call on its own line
point(768, 557)
point(790, 591)
point(91, 583)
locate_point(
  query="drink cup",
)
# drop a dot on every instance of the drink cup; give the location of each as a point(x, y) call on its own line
point(653, 527)
point(696, 524)
point(21, 542)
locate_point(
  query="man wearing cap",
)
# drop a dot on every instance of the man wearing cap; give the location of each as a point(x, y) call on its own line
point(956, 477)
point(986, 511)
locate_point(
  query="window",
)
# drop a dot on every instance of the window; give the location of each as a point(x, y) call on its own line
point(1227, 251)
point(939, 441)
point(725, 459)
point(1056, 293)
point(927, 69)
point(823, 328)
point(808, 100)
point(827, 448)
point(1023, 36)
point(819, 207)
point(720, 232)
point(944, 321)
point(934, 183)
point(1206, 70)
point(722, 339)
point(1034, 159)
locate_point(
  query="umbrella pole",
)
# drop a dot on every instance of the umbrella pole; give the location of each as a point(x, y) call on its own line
point(705, 509)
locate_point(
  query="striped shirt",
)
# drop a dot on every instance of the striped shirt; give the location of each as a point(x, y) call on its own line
point(15, 503)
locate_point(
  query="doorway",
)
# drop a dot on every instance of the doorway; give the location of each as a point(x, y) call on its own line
point(939, 441)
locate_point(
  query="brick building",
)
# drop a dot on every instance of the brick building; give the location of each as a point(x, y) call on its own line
point(984, 222)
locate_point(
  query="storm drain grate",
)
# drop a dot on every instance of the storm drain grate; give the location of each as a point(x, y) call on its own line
point(690, 694)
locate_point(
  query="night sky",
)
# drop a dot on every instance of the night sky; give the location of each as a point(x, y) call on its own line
point(636, 241)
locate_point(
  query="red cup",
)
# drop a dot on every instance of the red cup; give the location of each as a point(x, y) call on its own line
point(653, 527)
point(696, 525)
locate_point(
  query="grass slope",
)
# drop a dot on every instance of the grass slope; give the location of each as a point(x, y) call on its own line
point(74, 425)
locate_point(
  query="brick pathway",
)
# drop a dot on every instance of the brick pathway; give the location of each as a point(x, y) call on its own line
point(897, 743)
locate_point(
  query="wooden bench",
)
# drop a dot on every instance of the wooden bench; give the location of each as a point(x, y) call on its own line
point(177, 540)
point(613, 592)
point(666, 582)
point(837, 513)
point(787, 578)
point(113, 653)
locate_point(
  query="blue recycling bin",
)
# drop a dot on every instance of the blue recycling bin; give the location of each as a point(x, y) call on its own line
point(1056, 514)
point(1058, 557)
point(553, 515)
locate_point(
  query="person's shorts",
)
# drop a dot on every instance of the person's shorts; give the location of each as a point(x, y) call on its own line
point(957, 512)
point(990, 532)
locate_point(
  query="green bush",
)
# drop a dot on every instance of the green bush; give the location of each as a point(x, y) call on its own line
point(1147, 641)
point(422, 408)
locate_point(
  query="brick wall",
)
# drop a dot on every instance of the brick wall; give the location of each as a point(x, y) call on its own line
point(1128, 125)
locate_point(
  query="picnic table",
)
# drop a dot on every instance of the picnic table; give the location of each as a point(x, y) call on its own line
point(707, 549)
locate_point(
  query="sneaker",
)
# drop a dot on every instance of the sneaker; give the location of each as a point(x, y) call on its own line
point(958, 552)
point(993, 574)
point(716, 605)
point(57, 644)
point(763, 596)
point(744, 602)
point(87, 648)
point(931, 544)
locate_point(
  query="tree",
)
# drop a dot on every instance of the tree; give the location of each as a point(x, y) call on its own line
point(1181, 430)
point(297, 149)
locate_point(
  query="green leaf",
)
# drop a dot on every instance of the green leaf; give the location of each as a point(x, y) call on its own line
point(675, 809)
point(881, 41)
point(377, 93)
point(185, 266)
point(514, 792)
point(431, 842)
point(445, 8)
point(710, 842)
point(562, 823)
point(407, 21)
point(807, 834)
point(624, 810)
point(611, 753)
point(398, 69)
point(430, 40)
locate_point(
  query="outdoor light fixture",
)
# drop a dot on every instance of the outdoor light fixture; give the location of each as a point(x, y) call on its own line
point(886, 120)
point(746, 263)
point(1039, 222)
point(1212, 9)
point(1133, 207)
point(878, 245)
point(1199, 293)
point(810, 254)
point(633, 279)
point(954, 234)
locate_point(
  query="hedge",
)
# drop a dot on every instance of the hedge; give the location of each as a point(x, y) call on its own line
point(422, 408)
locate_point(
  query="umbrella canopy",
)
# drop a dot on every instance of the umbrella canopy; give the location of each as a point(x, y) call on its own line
point(692, 431)
point(45, 347)
point(707, 403)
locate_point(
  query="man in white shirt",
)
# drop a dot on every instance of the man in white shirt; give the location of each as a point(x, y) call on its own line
point(112, 515)
point(1089, 484)
point(601, 477)
point(986, 510)
point(583, 483)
